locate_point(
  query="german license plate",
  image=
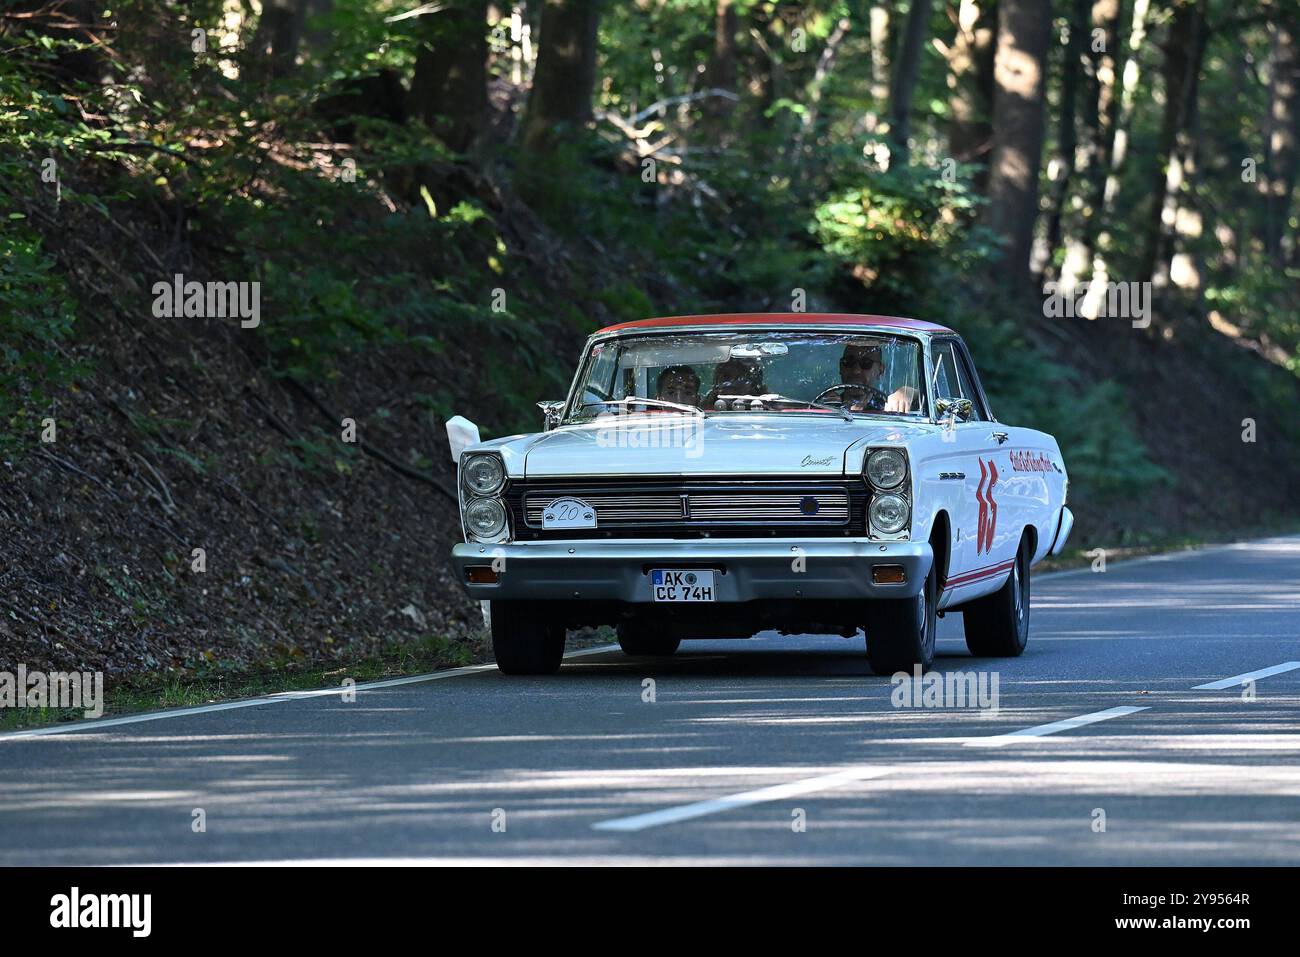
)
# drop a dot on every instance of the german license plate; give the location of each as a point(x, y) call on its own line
point(685, 585)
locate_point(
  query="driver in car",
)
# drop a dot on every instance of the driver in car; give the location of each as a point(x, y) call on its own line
point(862, 365)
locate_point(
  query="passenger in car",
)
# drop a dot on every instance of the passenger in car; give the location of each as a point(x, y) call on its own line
point(736, 377)
point(678, 384)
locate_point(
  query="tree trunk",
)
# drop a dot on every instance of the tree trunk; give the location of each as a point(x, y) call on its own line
point(1284, 130)
point(449, 90)
point(764, 78)
point(565, 75)
point(878, 19)
point(1128, 73)
point(1061, 167)
point(316, 37)
point(278, 33)
point(970, 134)
point(721, 71)
point(905, 74)
point(720, 74)
point(1101, 115)
point(815, 88)
point(1020, 79)
point(1184, 49)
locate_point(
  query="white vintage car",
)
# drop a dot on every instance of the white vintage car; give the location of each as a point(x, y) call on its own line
point(717, 476)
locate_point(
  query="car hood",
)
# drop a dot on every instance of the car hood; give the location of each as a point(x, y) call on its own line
point(748, 444)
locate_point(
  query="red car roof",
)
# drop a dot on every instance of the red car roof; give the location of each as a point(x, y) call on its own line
point(778, 318)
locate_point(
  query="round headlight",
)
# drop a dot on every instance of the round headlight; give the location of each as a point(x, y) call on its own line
point(483, 474)
point(889, 513)
point(485, 518)
point(886, 468)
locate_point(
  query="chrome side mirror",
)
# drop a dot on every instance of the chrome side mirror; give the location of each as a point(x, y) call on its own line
point(961, 409)
point(552, 411)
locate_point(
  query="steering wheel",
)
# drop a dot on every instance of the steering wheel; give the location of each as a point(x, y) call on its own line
point(841, 389)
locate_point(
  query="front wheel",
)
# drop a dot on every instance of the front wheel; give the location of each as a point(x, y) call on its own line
point(997, 625)
point(525, 640)
point(900, 635)
point(640, 640)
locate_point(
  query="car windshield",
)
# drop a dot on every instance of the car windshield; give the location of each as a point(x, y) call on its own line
point(790, 372)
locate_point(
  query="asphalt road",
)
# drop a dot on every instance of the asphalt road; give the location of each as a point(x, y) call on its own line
point(743, 742)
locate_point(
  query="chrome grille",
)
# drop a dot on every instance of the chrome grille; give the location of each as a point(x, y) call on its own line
point(695, 506)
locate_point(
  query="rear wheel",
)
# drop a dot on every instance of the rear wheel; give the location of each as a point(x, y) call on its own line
point(525, 640)
point(640, 639)
point(997, 625)
point(900, 635)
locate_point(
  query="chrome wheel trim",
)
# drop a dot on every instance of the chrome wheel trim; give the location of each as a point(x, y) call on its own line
point(1022, 598)
point(923, 609)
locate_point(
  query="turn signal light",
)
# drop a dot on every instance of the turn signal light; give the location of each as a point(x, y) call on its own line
point(888, 574)
point(481, 575)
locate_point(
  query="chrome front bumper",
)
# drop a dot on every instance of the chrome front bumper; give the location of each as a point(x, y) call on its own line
point(748, 569)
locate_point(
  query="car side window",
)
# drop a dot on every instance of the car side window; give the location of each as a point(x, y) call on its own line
point(946, 383)
point(968, 387)
point(951, 379)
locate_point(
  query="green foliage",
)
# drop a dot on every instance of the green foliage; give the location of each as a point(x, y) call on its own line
point(36, 318)
point(1261, 303)
point(903, 231)
point(1090, 420)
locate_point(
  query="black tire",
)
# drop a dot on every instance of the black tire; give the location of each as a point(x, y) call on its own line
point(525, 640)
point(997, 625)
point(900, 633)
point(642, 640)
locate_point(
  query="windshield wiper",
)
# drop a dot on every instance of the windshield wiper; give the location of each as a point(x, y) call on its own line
point(812, 405)
point(633, 400)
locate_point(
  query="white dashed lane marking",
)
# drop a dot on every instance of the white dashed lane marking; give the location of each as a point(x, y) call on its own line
point(1038, 731)
point(686, 812)
point(1248, 676)
point(823, 782)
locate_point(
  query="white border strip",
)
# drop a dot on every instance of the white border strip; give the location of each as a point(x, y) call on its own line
point(1248, 676)
point(778, 792)
point(96, 724)
point(1038, 731)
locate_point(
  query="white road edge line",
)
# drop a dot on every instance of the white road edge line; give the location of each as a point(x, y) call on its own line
point(686, 812)
point(96, 724)
point(1248, 676)
point(1000, 740)
point(1174, 556)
